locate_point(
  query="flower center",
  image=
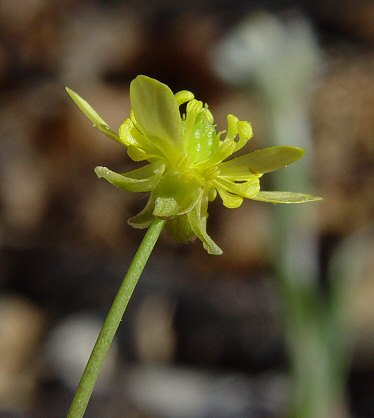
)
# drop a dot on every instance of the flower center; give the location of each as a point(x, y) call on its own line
point(199, 134)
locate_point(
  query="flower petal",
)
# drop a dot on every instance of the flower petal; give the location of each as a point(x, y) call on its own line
point(139, 148)
point(143, 179)
point(260, 161)
point(235, 127)
point(248, 188)
point(245, 134)
point(145, 217)
point(285, 197)
point(128, 133)
point(176, 195)
point(156, 110)
point(92, 115)
point(198, 225)
point(231, 201)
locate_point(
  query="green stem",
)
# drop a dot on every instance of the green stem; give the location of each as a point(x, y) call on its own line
point(112, 321)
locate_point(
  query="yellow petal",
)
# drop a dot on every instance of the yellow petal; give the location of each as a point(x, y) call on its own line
point(156, 111)
point(261, 161)
point(229, 200)
point(128, 133)
point(245, 134)
point(248, 188)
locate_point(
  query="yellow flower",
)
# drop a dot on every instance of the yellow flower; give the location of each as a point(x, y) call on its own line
point(187, 160)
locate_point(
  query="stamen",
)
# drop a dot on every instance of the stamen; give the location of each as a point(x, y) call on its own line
point(184, 162)
point(194, 107)
point(183, 96)
point(211, 173)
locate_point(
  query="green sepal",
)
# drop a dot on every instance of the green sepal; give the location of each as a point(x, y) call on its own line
point(197, 218)
point(143, 179)
point(92, 115)
point(145, 217)
point(179, 229)
point(261, 161)
point(285, 197)
point(176, 195)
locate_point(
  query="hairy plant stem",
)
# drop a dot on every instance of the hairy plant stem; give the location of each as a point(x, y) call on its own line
point(112, 321)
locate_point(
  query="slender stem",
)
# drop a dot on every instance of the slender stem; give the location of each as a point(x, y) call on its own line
point(112, 321)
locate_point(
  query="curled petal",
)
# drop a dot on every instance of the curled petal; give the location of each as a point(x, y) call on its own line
point(183, 96)
point(176, 195)
point(248, 188)
point(285, 197)
point(235, 127)
point(142, 179)
point(231, 201)
point(139, 147)
point(136, 154)
point(197, 218)
point(127, 133)
point(245, 134)
point(260, 161)
point(92, 115)
point(156, 111)
point(232, 126)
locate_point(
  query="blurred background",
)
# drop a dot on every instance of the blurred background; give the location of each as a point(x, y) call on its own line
point(280, 325)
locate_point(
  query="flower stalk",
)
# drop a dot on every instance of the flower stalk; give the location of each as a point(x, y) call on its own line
point(112, 321)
